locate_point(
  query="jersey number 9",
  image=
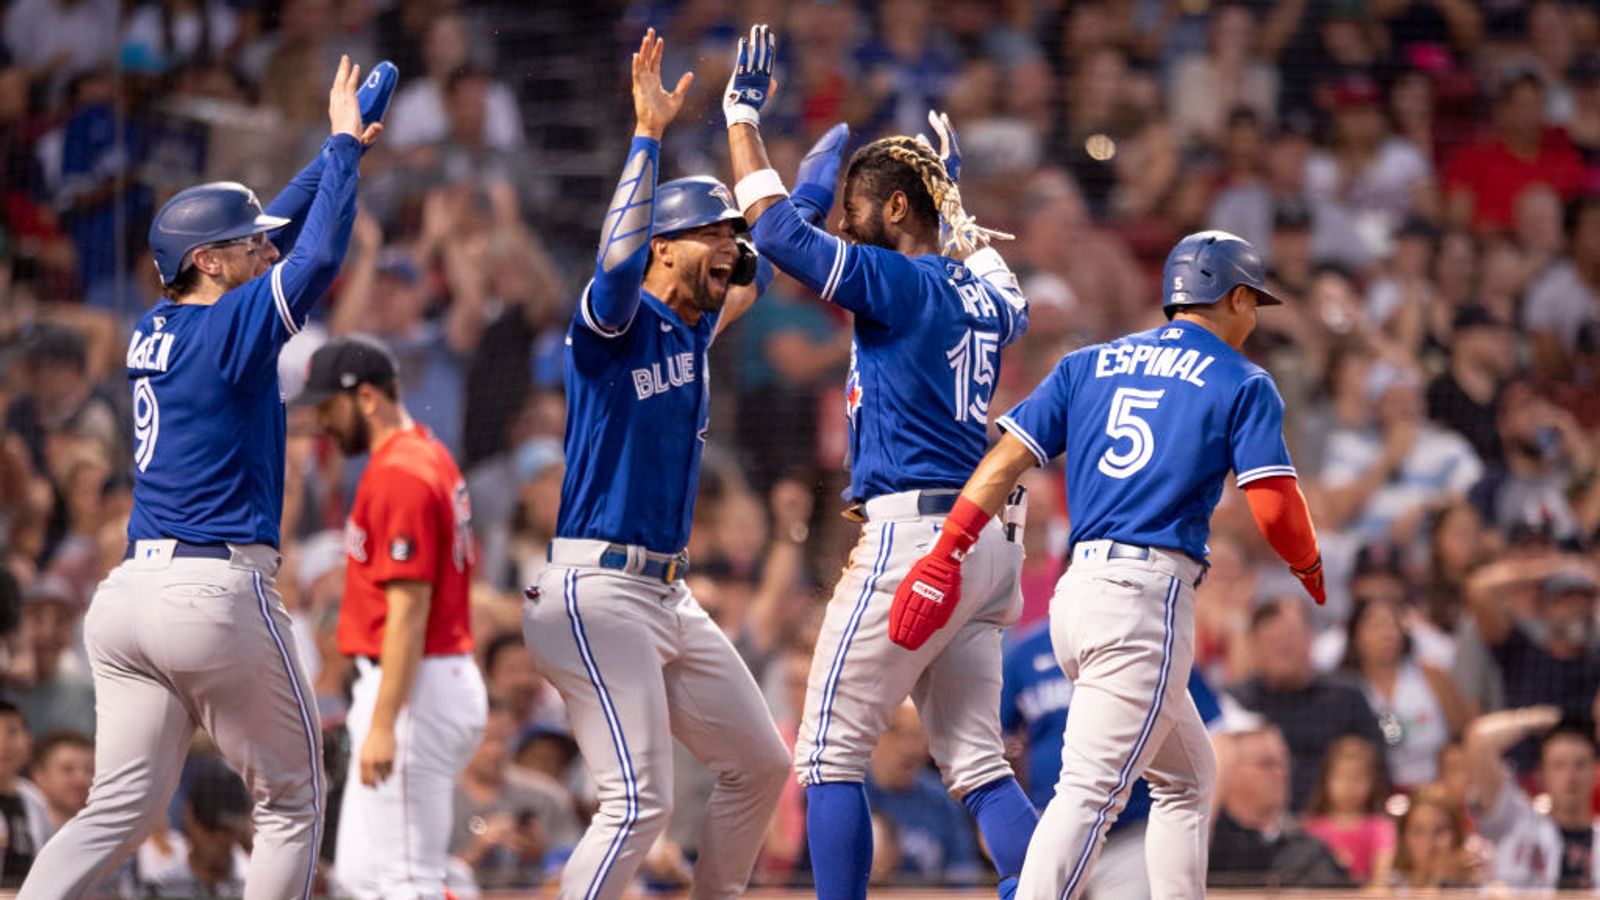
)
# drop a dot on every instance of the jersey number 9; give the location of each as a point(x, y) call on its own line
point(146, 422)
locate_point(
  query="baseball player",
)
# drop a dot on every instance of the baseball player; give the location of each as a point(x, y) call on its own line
point(611, 623)
point(418, 705)
point(928, 332)
point(189, 629)
point(1150, 424)
point(1034, 700)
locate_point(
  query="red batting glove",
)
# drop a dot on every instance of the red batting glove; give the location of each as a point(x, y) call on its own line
point(1311, 579)
point(925, 599)
point(929, 593)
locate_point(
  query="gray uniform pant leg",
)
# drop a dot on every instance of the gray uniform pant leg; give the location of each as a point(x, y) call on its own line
point(1123, 632)
point(859, 676)
point(176, 642)
point(718, 713)
point(144, 730)
point(636, 662)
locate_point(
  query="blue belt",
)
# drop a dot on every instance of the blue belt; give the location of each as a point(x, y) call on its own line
point(656, 565)
point(184, 549)
point(936, 503)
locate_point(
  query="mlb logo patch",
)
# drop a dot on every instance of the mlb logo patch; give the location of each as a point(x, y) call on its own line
point(402, 548)
point(1172, 334)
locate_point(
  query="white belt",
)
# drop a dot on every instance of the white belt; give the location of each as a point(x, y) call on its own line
point(1173, 562)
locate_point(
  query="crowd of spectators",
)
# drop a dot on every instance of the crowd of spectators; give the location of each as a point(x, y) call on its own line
point(1422, 177)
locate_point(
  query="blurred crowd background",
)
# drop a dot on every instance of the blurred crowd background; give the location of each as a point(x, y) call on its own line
point(1422, 177)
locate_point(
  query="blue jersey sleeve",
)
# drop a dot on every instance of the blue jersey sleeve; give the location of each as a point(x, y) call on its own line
point(250, 323)
point(868, 281)
point(1255, 432)
point(612, 298)
point(294, 200)
point(1040, 420)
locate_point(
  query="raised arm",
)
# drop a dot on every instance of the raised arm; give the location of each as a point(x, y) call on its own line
point(1488, 740)
point(294, 201)
point(608, 306)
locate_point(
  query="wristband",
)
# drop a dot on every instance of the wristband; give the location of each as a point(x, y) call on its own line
point(961, 528)
point(742, 114)
point(758, 186)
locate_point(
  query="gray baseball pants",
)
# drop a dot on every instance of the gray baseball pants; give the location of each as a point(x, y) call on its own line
point(1123, 630)
point(180, 642)
point(638, 662)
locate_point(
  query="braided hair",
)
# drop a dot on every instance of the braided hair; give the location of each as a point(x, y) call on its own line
point(910, 166)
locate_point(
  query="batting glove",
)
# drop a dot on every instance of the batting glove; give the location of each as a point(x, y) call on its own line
point(1311, 579)
point(929, 593)
point(819, 175)
point(949, 149)
point(925, 600)
point(751, 80)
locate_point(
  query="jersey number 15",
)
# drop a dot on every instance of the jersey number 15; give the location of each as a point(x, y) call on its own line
point(972, 362)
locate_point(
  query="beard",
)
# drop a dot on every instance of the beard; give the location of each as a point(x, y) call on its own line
point(355, 439)
point(872, 232)
point(705, 294)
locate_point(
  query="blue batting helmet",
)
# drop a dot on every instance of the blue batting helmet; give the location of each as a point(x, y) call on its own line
point(1206, 265)
point(685, 203)
point(205, 214)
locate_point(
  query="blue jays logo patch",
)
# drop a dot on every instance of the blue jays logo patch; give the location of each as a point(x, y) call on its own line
point(852, 393)
point(721, 193)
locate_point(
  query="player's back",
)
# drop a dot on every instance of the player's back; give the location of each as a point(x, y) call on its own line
point(1153, 422)
point(208, 421)
point(923, 368)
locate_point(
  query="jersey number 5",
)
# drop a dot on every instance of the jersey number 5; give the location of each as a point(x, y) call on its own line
point(1125, 424)
point(972, 362)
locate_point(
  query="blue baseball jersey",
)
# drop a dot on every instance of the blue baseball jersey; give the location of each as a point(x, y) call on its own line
point(926, 354)
point(1034, 696)
point(1151, 423)
point(637, 389)
point(208, 415)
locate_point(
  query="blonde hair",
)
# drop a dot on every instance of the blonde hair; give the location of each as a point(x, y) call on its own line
point(960, 232)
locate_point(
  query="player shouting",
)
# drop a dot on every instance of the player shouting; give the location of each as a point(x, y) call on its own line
point(611, 624)
point(189, 630)
point(928, 333)
point(1150, 424)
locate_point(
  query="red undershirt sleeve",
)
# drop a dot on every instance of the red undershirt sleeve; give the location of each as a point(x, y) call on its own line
point(1281, 514)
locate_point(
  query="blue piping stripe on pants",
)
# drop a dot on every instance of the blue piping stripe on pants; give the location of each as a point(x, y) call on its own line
point(629, 782)
point(834, 671)
point(1150, 720)
point(313, 745)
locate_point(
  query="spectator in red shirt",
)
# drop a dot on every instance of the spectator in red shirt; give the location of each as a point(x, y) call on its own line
point(1483, 181)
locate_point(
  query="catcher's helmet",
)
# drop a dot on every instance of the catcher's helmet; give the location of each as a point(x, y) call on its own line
point(205, 214)
point(1206, 265)
point(685, 203)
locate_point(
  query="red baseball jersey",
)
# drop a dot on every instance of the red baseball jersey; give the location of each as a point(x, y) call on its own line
point(410, 522)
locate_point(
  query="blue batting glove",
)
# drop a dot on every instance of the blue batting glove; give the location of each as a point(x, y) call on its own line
point(949, 148)
point(819, 175)
point(751, 81)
